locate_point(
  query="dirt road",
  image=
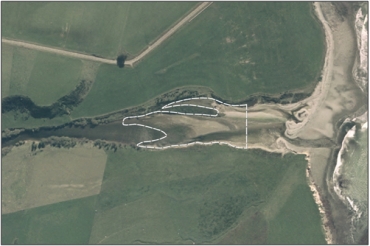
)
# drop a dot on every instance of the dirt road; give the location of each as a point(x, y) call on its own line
point(185, 20)
point(131, 62)
point(56, 51)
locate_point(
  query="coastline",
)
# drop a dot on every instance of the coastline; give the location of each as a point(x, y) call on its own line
point(318, 200)
point(320, 90)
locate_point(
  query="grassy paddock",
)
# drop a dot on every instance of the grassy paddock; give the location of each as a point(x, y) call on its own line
point(298, 220)
point(43, 77)
point(198, 193)
point(61, 223)
point(33, 177)
point(234, 48)
point(100, 28)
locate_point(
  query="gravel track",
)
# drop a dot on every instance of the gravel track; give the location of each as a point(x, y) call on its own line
point(131, 62)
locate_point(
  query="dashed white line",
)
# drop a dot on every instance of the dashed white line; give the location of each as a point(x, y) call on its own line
point(170, 105)
point(246, 126)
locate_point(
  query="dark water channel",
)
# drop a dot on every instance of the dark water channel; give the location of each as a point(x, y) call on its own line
point(114, 131)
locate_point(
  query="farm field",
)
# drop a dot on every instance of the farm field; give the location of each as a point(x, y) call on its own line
point(36, 176)
point(198, 194)
point(43, 77)
point(299, 208)
point(102, 28)
point(228, 48)
point(61, 223)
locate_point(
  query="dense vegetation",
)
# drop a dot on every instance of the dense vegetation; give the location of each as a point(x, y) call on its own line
point(62, 106)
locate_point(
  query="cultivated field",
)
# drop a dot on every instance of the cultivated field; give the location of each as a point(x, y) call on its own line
point(41, 76)
point(236, 49)
point(61, 223)
point(299, 208)
point(102, 28)
point(49, 175)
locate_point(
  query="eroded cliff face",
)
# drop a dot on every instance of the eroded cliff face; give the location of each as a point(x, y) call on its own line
point(349, 177)
point(340, 97)
point(345, 101)
point(360, 72)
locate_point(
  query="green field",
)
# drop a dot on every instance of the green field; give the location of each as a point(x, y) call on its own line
point(102, 28)
point(48, 175)
point(43, 77)
point(199, 194)
point(300, 211)
point(61, 223)
point(237, 49)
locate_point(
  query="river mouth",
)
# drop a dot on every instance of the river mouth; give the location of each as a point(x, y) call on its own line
point(343, 99)
point(340, 98)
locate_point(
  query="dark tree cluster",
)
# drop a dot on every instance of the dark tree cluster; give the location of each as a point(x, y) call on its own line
point(62, 106)
point(121, 61)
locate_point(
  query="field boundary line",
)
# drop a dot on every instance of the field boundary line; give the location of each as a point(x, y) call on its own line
point(130, 62)
point(170, 105)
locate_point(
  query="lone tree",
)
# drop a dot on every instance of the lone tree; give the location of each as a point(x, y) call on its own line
point(121, 61)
